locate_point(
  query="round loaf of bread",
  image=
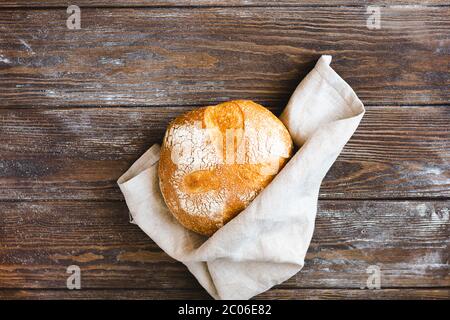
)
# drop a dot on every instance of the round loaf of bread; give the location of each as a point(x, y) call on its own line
point(215, 160)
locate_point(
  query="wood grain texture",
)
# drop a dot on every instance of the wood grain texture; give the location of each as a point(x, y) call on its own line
point(198, 56)
point(78, 107)
point(73, 153)
point(221, 3)
point(278, 294)
point(346, 294)
point(408, 240)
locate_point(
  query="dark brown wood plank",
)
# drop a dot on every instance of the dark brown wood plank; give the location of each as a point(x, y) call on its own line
point(222, 3)
point(119, 294)
point(278, 294)
point(384, 294)
point(72, 153)
point(407, 240)
point(274, 294)
point(178, 57)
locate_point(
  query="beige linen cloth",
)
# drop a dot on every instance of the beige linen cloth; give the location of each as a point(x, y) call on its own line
point(267, 242)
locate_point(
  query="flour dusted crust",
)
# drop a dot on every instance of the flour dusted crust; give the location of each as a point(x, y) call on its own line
point(215, 160)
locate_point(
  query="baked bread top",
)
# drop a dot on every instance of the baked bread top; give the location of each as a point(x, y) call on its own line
point(215, 160)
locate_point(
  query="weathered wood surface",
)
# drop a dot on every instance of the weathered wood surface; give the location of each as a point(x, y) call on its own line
point(407, 240)
point(78, 153)
point(221, 3)
point(78, 107)
point(187, 56)
point(303, 294)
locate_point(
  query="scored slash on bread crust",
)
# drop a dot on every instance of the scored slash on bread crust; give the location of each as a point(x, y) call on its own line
point(216, 159)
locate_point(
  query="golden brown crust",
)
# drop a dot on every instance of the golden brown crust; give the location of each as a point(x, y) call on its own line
point(215, 160)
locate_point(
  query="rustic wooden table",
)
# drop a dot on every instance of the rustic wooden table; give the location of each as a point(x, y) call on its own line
point(78, 107)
